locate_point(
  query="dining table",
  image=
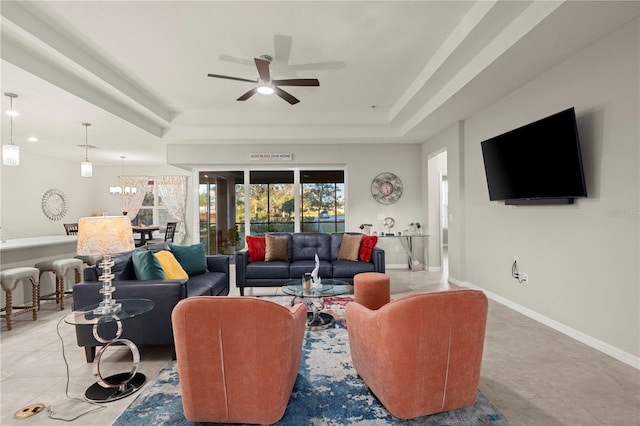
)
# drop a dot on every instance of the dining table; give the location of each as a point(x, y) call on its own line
point(145, 231)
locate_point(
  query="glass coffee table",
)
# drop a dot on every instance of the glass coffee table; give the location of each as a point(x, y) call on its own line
point(118, 386)
point(314, 299)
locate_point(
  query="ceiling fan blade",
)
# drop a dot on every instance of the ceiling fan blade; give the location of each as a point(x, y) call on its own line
point(332, 65)
point(247, 95)
point(297, 82)
point(286, 95)
point(282, 47)
point(263, 69)
point(232, 78)
point(233, 59)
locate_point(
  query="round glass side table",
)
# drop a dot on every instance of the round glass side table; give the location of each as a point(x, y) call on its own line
point(117, 386)
point(314, 299)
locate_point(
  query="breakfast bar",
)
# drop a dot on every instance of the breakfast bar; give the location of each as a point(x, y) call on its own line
point(28, 251)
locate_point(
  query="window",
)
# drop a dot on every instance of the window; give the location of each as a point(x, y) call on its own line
point(153, 212)
point(271, 202)
point(322, 200)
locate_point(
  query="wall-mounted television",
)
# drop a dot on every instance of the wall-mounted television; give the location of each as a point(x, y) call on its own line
point(538, 163)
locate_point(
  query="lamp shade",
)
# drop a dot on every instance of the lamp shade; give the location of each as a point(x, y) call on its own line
point(104, 235)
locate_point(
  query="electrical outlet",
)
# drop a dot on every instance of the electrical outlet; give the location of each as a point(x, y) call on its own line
point(525, 278)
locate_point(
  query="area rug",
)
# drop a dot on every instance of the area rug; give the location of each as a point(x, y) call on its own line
point(327, 391)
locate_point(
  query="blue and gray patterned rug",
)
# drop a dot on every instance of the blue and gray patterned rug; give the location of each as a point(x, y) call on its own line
point(327, 392)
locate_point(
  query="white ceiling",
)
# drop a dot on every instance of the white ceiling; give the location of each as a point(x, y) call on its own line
point(389, 71)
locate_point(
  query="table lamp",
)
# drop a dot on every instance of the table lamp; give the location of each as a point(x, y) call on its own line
point(103, 236)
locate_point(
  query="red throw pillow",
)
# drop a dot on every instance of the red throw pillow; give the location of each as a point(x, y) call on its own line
point(366, 247)
point(256, 246)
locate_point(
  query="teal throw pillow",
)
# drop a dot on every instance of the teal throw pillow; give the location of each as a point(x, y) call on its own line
point(147, 266)
point(191, 258)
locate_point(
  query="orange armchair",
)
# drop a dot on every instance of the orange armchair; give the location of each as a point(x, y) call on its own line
point(238, 357)
point(420, 354)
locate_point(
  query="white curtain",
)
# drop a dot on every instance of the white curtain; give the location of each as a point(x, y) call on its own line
point(131, 203)
point(173, 190)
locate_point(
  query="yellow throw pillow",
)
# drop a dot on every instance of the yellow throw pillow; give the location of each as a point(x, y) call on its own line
point(170, 266)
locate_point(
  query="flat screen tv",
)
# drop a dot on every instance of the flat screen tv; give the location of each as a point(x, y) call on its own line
point(538, 163)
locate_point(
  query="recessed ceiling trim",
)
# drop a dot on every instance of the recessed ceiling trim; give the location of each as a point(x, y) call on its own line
point(34, 20)
point(22, 56)
point(511, 35)
point(466, 26)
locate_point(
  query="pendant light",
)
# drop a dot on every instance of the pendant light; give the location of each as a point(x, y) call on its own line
point(86, 168)
point(10, 151)
point(121, 189)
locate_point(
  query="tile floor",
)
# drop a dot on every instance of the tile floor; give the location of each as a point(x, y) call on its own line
point(533, 374)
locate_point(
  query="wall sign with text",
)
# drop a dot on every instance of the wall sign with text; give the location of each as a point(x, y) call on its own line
point(270, 156)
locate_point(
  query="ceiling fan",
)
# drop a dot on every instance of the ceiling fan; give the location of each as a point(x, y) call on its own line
point(267, 86)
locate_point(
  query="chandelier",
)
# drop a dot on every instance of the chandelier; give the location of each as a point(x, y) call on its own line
point(122, 190)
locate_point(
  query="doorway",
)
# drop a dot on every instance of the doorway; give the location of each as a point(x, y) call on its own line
point(437, 202)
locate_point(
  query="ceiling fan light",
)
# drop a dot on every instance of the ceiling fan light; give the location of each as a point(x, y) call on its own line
point(265, 89)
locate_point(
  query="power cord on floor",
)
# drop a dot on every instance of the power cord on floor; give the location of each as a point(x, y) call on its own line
point(50, 409)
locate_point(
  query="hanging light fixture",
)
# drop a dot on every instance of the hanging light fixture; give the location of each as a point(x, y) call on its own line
point(10, 151)
point(86, 168)
point(122, 190)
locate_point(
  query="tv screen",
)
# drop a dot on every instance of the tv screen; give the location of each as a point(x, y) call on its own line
point(539, 163)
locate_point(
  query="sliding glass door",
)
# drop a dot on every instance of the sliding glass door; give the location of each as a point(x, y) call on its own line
point(217, 201)
point(278, 201)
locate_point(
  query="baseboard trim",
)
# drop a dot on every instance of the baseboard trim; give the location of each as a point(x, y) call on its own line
point(396, 266)
point(591, 341)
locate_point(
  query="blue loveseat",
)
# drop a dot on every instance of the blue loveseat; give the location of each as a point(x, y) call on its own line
point(152, 328)
point(302, 248)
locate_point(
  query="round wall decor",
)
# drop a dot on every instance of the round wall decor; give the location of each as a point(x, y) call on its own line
point(54, 204)
point(386, 188)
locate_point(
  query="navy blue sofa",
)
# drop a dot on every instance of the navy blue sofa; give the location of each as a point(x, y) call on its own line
point(154, 327)
point(302, 248)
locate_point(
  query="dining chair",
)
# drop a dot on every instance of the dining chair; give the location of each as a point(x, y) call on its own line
point(71, 228)
point(168, 234)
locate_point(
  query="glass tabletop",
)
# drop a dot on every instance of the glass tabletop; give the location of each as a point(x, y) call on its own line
point(330, 287)
point(130, 308)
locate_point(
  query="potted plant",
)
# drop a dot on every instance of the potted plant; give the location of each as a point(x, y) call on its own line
point(233, 237)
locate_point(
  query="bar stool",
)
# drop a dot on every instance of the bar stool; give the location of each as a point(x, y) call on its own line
point(9, 279)
point(59, 268)
point(372, 289)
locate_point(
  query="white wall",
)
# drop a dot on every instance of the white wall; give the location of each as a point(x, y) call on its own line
point(582, 260)
point(22, 189)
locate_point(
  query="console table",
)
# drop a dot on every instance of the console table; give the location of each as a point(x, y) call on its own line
point(415, 247)
point(119, 385)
